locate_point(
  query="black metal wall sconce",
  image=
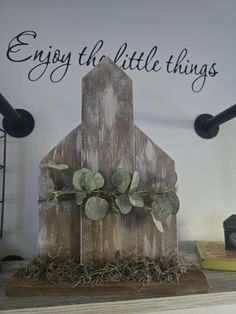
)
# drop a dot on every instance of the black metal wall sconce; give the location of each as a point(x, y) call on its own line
point(207, 126)
point(17, 123)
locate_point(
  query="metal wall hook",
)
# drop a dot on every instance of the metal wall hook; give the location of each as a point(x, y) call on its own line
point(207, 126)
point(16, 122)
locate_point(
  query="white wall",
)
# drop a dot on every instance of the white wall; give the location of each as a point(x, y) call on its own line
point(164, 103)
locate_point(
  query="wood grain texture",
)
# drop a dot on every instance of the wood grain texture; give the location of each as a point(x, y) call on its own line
point(153, 164)
point(107, 144)
point(193, 282)
point(59, 227)
point(107, 139)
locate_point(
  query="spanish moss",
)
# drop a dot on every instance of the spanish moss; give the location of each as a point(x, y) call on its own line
point(138, 268)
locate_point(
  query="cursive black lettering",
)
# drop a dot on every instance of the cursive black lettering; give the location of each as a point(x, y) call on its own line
point(92, 57)
point(150, 56)
point(177, 66)
point(56, 63)
point(65, 60)
point(16, 45)
point(137, 61)
point(81, 55)
point(120, 52)
point(183, 66)
point(45, 59)
point(212, 71)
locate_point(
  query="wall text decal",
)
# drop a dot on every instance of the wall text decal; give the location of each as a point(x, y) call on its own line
point(57, 63)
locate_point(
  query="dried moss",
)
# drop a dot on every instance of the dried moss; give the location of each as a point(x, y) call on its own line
point(69, 272)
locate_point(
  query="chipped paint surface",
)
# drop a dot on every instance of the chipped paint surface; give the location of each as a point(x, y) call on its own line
point(109, 106)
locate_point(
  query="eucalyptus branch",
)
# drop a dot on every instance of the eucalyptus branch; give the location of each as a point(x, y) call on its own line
point(124, 197)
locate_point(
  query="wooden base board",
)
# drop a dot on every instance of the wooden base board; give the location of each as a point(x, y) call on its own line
point(191, 283)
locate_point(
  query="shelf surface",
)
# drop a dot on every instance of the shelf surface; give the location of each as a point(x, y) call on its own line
point(222, 291)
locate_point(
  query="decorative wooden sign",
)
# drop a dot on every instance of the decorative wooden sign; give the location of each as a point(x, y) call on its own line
point(107, 139)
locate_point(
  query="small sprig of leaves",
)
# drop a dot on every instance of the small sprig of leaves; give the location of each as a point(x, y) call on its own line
point(87, 189)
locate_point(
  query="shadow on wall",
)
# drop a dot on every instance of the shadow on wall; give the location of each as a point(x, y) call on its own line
point(166, 121)
point(10, 250)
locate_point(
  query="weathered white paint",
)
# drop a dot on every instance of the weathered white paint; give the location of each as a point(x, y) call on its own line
point(109, 104)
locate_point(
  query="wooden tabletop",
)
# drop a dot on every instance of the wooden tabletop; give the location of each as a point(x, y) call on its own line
point(222, 290)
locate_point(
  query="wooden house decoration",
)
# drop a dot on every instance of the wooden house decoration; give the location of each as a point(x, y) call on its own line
point(106, 139)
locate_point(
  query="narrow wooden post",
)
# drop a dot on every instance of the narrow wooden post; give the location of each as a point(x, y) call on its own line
point(107, 143)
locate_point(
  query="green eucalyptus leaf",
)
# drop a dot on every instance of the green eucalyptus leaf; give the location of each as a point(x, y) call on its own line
point(161, 207)
point(136, 200)
point(87, 181)
point(93, 181)
point(121, 180)
point(157, 223)
point(98, 180)
point(53, 165)
point(49, 203)
point(135, 181)
point(78, 179)
point(156, 210)
point(47, 164)
point(173, 198)
point(45, 186)
point(170, 179)
point(96, 208)
point(122, 201)
point(79, 197)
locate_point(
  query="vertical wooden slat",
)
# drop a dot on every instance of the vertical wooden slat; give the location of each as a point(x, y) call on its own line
point(153, 164)
point(59, 226)
point(107, 143)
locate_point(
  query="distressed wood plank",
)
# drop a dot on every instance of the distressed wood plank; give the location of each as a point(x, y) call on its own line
point(59, 226)
point(107, 143)
point(153, 164)
point(192, 282)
